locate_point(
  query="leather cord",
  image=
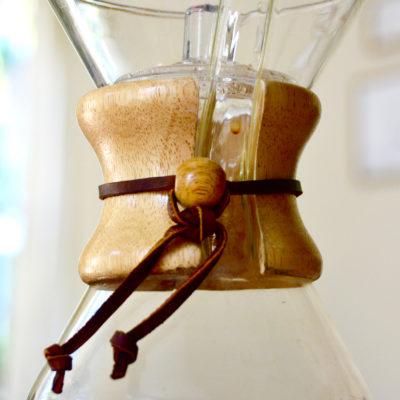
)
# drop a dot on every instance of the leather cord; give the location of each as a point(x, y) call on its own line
point(193, 224)
point(201, 223)
point(164, 183)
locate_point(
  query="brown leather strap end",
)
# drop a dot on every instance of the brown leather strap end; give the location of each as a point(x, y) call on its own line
point(125, 353)
point(60, 362)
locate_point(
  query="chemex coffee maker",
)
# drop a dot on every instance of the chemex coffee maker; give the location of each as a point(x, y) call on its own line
point(200, 270)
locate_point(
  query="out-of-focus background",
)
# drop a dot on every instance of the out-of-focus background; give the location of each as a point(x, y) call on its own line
point(350, 172)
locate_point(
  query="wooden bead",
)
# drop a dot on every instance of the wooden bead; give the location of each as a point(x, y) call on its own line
point(199, 182)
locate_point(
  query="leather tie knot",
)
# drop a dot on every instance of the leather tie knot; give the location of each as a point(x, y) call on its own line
point(60, 362)
point(201, 221)
point(125, 353)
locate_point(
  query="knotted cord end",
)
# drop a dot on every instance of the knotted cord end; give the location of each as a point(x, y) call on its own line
point(125, 353)
point(58, 362)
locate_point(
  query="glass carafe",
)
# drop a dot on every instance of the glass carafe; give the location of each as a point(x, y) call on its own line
point(228, 81)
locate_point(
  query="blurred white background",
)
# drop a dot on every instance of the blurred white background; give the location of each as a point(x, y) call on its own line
point(350, 203)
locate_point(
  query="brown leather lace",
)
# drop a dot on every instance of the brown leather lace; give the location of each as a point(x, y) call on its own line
point(162, 183)
point(193, 224)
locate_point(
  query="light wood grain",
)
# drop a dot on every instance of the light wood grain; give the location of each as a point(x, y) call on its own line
point(147, 128)
point(137, 130)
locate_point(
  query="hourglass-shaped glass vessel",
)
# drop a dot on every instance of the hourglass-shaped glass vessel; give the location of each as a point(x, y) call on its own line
point(231, 82)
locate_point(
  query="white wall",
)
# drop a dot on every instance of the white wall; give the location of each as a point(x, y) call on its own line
point(355, 221)
point(46, 284)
